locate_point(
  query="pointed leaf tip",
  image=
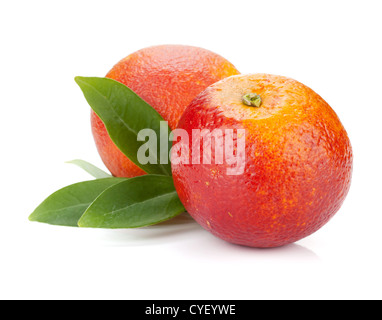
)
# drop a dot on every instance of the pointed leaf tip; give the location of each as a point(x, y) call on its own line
point(66, 206)
point(90, 168)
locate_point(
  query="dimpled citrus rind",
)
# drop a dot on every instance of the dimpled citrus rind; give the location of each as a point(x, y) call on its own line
point(298, 163)
point(168, 77)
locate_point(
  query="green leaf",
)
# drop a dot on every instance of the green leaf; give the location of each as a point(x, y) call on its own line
point(125, 114)
point(66, 206)
point(91, 169)
point(134, 203)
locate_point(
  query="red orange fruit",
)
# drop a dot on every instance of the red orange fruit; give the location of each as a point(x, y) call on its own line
point(297, 161)
point(168, 77)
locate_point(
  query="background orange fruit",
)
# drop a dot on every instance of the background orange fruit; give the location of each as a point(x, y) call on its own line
point(298, 162)
point(168, 77)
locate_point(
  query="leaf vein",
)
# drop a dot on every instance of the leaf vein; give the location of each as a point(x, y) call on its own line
point(141, 202)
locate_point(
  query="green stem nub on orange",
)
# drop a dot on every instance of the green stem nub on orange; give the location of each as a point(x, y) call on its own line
point(252, 99)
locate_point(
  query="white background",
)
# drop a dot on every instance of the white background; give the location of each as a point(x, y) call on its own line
point(332, 46)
